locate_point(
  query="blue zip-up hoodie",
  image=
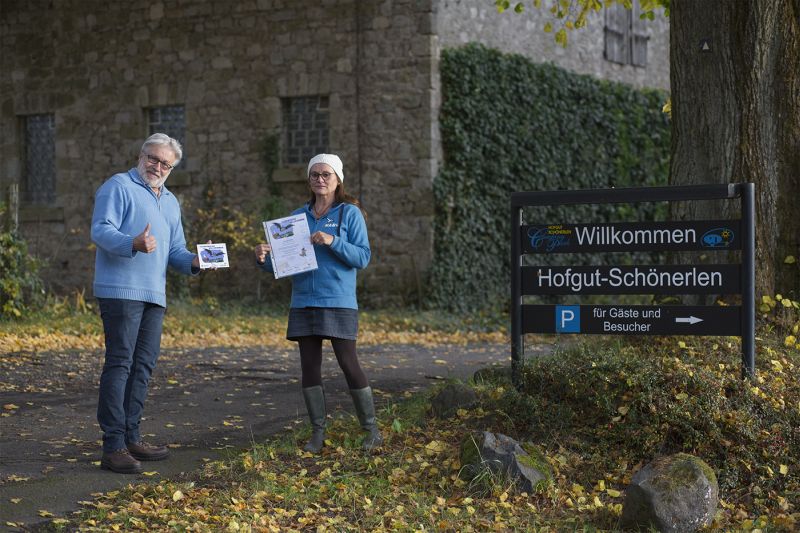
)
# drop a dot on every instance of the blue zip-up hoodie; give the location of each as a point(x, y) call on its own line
point(123, 207)
point(333, 284)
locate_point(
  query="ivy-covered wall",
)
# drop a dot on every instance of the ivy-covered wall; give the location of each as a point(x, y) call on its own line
point(509, 124)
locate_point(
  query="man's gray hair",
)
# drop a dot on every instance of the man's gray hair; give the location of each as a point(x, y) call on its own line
point(164, 139)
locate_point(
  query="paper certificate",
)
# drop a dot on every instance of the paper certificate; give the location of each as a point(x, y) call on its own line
point(290, 240)
point(212, 255)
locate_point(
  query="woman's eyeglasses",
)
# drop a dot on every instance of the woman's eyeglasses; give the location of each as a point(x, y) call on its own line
point(320, 176)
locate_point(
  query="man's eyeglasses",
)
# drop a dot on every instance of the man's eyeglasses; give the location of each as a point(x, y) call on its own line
point(156, 161)
point(320, 176)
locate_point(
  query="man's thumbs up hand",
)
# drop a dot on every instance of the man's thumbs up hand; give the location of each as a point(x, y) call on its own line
point(144, 242)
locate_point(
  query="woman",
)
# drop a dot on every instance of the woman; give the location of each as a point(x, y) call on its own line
point(324, 302)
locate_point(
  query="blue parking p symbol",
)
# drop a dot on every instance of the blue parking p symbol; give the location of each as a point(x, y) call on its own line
point(568, 319)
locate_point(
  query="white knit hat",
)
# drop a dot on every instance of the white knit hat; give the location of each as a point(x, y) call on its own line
point(329, 159)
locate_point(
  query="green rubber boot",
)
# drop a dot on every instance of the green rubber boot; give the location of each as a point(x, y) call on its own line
point(315, 405)
point(365, 409)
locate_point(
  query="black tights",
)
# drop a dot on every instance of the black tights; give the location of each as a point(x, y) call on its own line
point(311, 361)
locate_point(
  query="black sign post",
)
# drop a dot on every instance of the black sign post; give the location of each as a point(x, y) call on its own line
point(705, 235)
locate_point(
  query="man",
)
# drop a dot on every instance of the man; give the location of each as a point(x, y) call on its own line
point(137, 228)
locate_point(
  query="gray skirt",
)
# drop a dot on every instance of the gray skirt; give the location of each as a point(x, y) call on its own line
point(326, 322)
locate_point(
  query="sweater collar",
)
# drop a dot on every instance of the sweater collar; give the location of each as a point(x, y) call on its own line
point(137, 178)
point(334, 207)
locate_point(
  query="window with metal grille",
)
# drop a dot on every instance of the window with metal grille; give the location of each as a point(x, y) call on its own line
point(306, 122)
point(39, 175)
point(172, 121)
point(625, 35)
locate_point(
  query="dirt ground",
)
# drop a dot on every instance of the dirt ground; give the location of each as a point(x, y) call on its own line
point(203, 403)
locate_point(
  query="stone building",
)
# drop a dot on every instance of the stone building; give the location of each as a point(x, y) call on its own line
point(241, 82)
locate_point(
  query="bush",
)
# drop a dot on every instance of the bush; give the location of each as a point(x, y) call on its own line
point(508, 125)
point(611, 404)
point(20, 284)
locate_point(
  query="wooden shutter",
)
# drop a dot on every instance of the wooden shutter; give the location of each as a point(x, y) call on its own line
point(639, 37)
point(616, 34)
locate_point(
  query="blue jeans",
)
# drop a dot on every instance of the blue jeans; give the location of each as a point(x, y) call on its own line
point(133, 341)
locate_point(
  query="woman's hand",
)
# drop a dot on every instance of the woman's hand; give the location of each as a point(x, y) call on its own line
point(320, 237)
point(261, 252)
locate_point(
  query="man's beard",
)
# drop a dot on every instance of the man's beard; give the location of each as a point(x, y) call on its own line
point(151, 181)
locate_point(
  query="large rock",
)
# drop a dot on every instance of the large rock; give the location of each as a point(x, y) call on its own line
point(505, 457)
point(677, 493)
point(451, 398)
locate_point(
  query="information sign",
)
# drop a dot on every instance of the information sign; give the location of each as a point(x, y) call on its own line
point(707, 235)
point(632, 319)
point(634, 279)
point(546, 238)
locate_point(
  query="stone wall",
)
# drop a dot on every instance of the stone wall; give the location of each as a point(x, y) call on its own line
point(99, 65)
point(463, 21)
point(398, 142)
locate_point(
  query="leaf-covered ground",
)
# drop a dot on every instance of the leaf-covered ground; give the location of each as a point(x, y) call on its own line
point(600, 410)
point(204, 323)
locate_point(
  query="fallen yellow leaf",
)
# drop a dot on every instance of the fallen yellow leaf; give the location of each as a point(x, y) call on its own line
point(435, 446)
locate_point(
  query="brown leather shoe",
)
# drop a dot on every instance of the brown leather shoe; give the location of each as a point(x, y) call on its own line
point(146, 452)
point(121, 462)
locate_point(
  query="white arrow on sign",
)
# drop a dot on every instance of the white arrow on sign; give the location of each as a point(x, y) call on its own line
point(688, 319)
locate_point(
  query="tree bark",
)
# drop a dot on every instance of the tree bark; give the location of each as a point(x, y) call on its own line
point(735, 84)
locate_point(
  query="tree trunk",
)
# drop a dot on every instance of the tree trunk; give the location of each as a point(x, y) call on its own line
point(735, 84)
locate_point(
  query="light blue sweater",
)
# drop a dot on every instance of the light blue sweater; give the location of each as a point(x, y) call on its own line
point(333, 284)
point(123, 207)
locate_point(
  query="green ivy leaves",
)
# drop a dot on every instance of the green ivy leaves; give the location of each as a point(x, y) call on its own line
point(508, 125)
